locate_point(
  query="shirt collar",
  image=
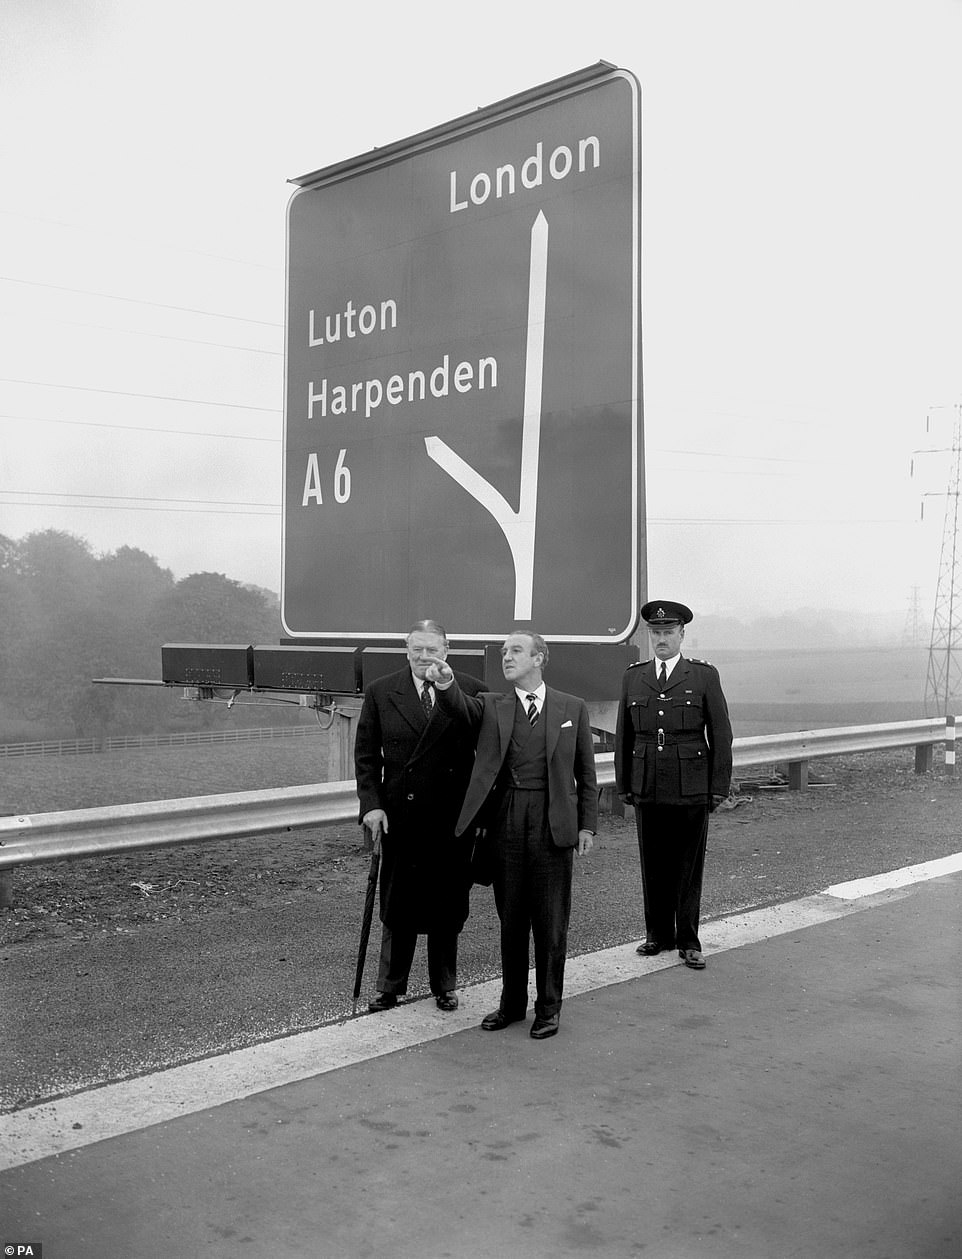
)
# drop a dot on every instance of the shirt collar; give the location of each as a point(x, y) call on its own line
point(538, 692)
point(419, 683)
point(669, 665)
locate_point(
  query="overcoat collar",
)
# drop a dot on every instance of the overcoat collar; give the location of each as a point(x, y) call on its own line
point(406, 700)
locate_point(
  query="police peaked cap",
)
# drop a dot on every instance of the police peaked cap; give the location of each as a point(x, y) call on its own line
point(664, 612)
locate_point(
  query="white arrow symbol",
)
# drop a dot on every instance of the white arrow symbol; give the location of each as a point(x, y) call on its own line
point(518, 526)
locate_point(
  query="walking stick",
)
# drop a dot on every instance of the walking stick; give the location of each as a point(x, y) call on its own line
point(368, 913)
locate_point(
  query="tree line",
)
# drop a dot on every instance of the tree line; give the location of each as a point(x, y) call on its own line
point(69, 615)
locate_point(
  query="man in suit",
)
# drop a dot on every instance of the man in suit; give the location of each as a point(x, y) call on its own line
point(413, 763)
point(533, 789)
point(673, 762)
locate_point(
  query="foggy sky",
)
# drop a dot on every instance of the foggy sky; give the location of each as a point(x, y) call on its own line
point(801, 267)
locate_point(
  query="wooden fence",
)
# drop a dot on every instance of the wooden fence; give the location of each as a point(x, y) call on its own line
point(80, 747)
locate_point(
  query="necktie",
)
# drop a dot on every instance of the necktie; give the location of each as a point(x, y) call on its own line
point(662, 677)
point(426, 703)
point(532, 709)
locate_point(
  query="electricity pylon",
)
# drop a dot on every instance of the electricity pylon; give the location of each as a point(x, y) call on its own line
point(943, 683)
point(913, 629)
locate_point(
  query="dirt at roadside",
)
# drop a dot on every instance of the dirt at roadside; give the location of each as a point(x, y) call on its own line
point(861, 815)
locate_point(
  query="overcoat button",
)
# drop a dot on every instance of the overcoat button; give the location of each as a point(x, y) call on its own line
point(410, 795)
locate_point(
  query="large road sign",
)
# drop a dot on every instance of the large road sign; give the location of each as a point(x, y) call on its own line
point(463, 407)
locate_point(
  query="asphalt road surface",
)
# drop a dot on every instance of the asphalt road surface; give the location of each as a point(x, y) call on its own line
point(116, 968)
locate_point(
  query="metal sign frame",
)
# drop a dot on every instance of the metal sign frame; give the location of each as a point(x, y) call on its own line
point(353, 388)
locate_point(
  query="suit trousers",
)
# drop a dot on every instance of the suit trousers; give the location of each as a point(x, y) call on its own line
point(671, 842)
point(397, 954)
point(532, 892)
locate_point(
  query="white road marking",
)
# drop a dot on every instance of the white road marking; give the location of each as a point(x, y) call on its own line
point(858, 888)
point(70, 1123)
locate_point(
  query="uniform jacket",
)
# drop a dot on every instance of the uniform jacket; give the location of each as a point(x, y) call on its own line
point(417, 771)
point(675, 750)
point(572, 783)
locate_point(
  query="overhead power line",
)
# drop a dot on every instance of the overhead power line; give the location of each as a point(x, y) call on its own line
point(153, 246)
point(143, 498)
point(130, 428)
point(199, 510)
point(167, 336)
point(135, 503)
point(138, 301)
point(126, 393)
point(655, 408)
point(774, 520)
point(727, 454)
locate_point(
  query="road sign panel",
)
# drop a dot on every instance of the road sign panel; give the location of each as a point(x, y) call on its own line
point(463, 410)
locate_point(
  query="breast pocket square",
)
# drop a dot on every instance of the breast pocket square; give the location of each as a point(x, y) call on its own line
point(565, 724)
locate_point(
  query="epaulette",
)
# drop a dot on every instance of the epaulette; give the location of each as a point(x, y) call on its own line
point(696, 661)
point(636, 663)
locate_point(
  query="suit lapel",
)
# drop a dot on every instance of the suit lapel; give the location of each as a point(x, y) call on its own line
point(433, 729)
point(552, 712)
point(680, 673)
point(649, 673)
point(405, 699)
point(408, 704)
point(505, 708)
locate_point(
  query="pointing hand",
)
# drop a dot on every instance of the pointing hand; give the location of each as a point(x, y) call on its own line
point(439, 672)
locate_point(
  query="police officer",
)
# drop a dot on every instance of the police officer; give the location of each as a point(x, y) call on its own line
point(673, 762)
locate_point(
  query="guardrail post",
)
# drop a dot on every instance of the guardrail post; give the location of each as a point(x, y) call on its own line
point(923, 757)
point(797, 775)
point(6, 876)
point(950, 745)
point(340, 749)
point(608, 799)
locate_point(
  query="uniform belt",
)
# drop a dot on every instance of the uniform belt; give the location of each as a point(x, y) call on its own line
point(667, 738)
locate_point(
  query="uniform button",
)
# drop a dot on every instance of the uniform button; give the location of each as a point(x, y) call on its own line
point(661, 712)
point(410, 795)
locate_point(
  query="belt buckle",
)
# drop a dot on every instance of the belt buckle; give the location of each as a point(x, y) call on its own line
point(661, 738)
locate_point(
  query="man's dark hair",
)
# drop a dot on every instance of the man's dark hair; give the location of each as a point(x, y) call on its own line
point(537, 643)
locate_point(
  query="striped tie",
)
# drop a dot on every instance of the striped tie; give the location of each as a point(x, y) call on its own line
point(532, 709)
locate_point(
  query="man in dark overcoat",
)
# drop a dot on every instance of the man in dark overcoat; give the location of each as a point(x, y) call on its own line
point(412, 764)
point(534, 790)
point(673, 762)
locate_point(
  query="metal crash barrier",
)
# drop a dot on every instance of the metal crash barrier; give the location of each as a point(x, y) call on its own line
point(26, 839)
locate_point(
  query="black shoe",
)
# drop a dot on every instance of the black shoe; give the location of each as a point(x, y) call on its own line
point(546, 1026)
point(497, 1019)
point(692, 958)
point(383, 1001)
point(648, 948)
point(447, 1000)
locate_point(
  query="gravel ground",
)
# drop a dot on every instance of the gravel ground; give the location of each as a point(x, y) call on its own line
point(112, 968)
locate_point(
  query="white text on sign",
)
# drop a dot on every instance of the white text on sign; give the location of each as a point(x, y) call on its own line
point(367, 395)
point(504, 183)
point(367, 322)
